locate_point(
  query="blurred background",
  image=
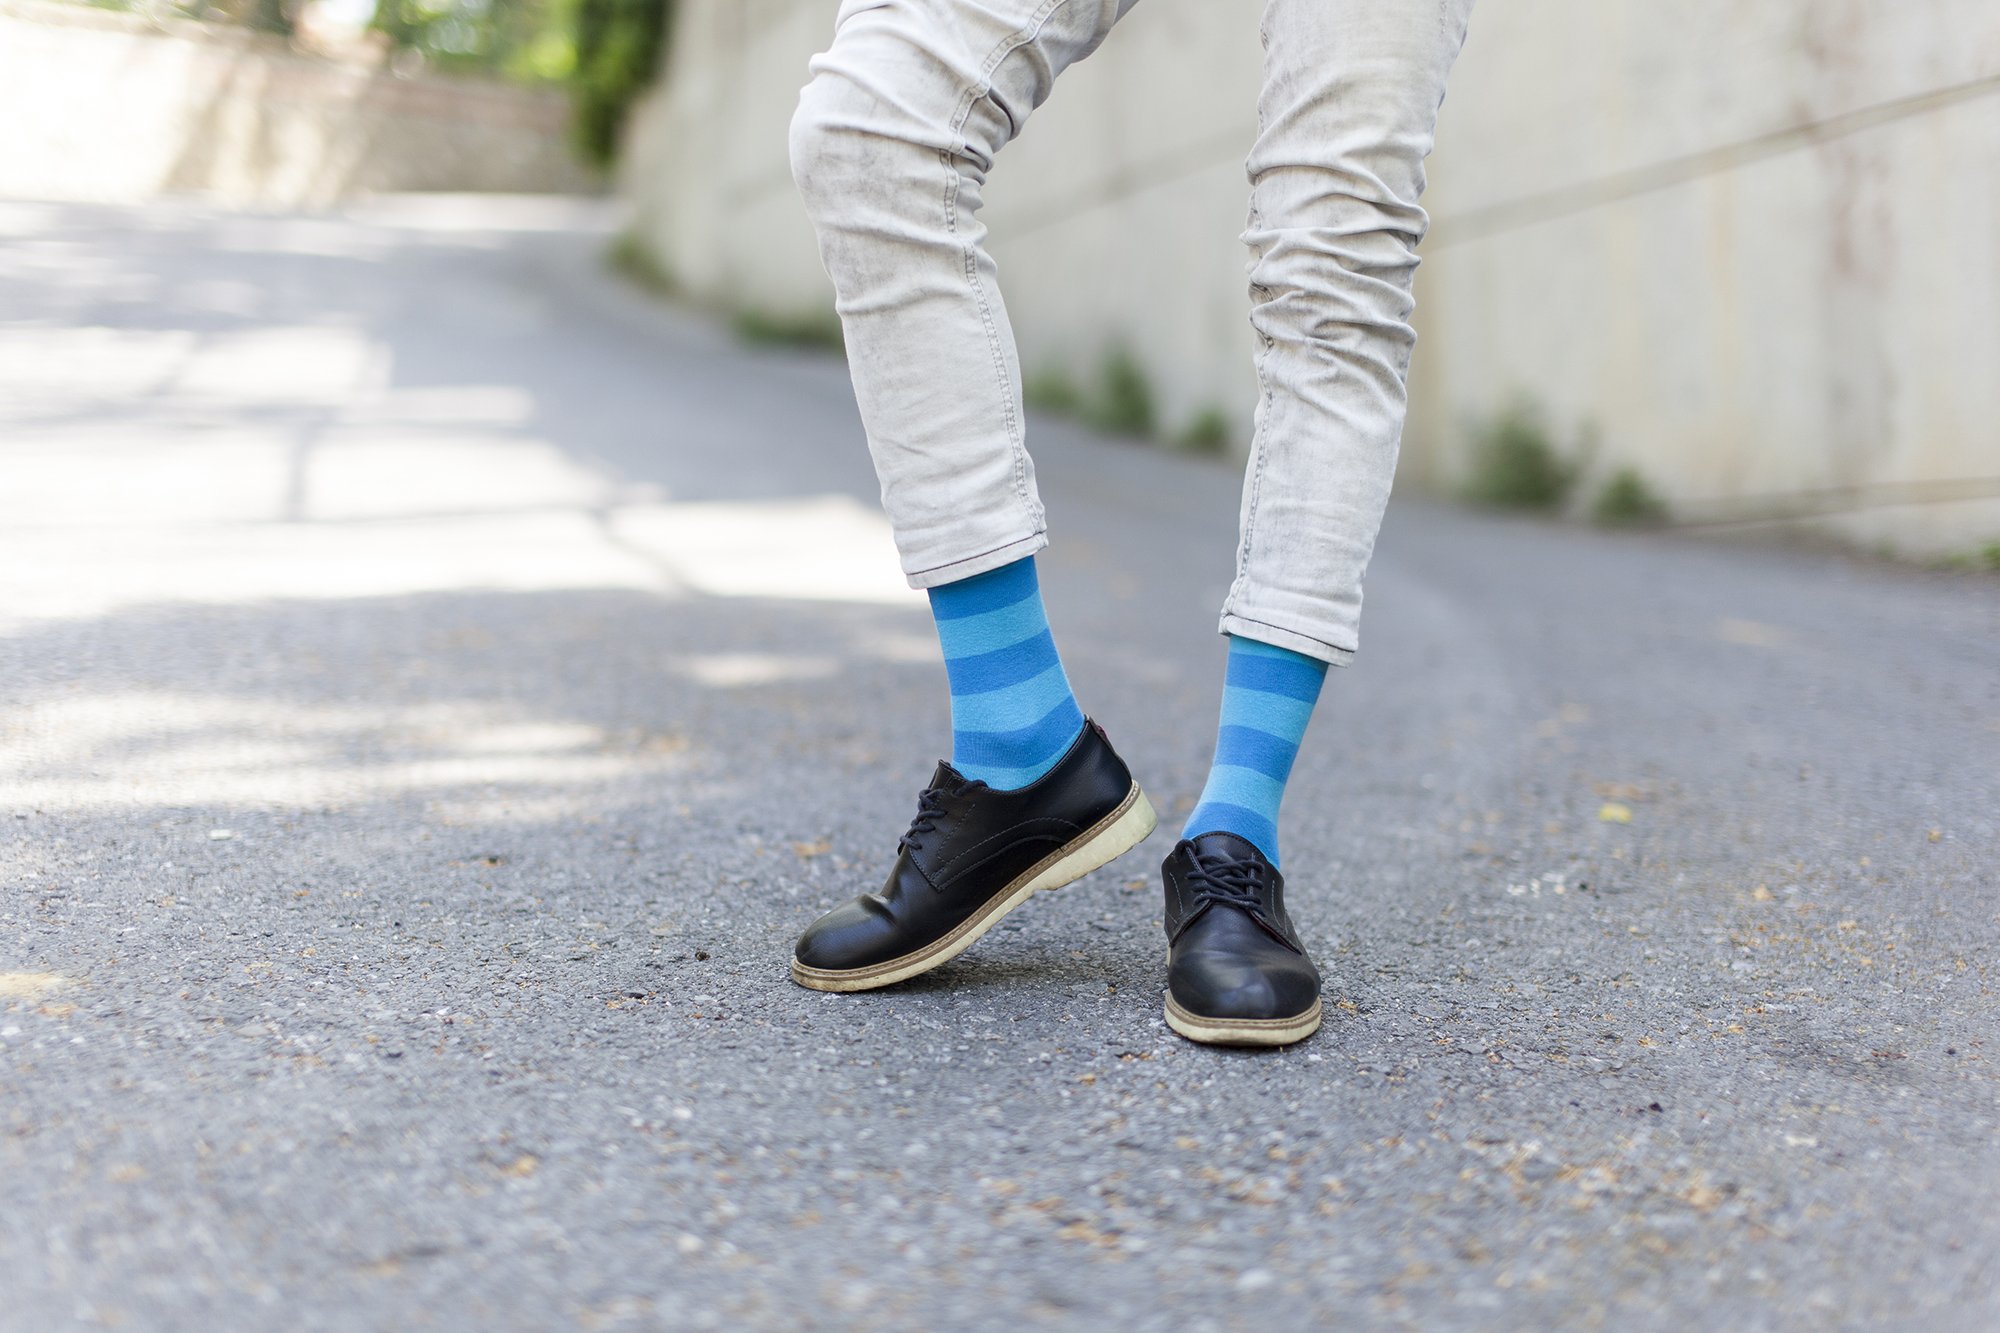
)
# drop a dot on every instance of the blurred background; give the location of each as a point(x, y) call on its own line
point(1719, 261)
point(450, 646)
point(1706, 263)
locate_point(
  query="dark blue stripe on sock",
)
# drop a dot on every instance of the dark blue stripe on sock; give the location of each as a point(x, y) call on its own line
point(1012, 712)
point(1003, 666)
point(1267, 701)
point(1247, 747)
point(1222, 817)
point(1300, 679)
point(985, 592)
point(1045, 738)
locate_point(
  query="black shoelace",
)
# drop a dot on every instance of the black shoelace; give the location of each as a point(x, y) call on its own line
point(930, 809)
point(1230, 883)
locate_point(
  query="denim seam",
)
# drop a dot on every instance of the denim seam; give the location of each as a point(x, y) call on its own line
point(1266, 408)
point(980, 555)
point(968, 98)
point(1345, 653)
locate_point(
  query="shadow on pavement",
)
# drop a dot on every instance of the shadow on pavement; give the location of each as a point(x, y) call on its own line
point(438, 686)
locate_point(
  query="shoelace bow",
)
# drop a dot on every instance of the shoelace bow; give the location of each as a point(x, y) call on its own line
point(930, 809)
point(1229, 883)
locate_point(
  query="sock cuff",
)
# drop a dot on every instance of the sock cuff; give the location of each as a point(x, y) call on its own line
point(994, 590)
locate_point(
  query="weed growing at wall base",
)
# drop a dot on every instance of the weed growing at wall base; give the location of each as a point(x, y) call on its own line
point(1052, 391)
point(1123, 403)
point(632, 257)
point(1986, 558)
point(1515, 465)
point(1119, 401)
point(790, 329)
point(1628, 502)
point(1207, 432)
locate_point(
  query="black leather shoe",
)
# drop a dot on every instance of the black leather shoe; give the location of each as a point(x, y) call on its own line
point(971, 856)
point(1236, 972)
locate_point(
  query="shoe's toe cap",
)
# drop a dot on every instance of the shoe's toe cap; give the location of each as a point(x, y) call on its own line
point(855, 934)
point(1261, 983)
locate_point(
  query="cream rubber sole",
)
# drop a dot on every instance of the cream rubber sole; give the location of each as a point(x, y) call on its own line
point(1242, 1031)
point(1111, 837)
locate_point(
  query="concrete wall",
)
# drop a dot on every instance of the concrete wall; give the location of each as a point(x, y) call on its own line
point(706, 164)
point(1114, 216)
point(1757, 247)
point(106, 107)
point(1752, 251)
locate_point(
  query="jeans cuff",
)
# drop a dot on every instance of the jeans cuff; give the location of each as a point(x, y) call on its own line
point(1279, 637)
point(953, 571)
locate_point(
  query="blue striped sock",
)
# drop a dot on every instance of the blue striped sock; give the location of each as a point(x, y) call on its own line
point(1012, 712)
point(1267, 699)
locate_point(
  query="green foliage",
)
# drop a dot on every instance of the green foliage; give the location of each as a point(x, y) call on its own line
point(630, 256)
point(1118, 401)
point(1627, 501)
point(790, 329)
point(1986, 557)
point(1207, 432)
point(620, 45)
point(278, 17)
point(1123, 403)
point(607, 51)
point(1053, 391)
point(272, 16)
point(1516, 466)
point(526, 40)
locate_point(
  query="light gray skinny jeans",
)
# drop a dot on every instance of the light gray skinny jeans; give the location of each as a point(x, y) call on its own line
point(892, 141)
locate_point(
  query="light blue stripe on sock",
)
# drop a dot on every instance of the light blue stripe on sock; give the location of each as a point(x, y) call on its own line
point(1243, 822)
point(1012, 712)
point(1012, 708)
point(1009, 779)
point(1267, 699)
point(1045, 738)
point(1246, 787)
point(1273, 714)
point(989, 631)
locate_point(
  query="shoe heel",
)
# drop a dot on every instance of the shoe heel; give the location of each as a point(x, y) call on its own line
point(1119, 833)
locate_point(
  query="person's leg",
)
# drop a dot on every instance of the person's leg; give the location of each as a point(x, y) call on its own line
point(890, 146)
point(1346, 116)
point(1267, 699)
point(1012, 713)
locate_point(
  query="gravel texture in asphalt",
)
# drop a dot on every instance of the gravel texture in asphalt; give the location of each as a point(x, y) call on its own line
point(437, 684)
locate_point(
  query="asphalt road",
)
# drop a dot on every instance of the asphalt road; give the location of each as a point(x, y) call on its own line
point(436, 684)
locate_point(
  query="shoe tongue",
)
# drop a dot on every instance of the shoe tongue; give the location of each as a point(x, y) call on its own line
point(947, 778)
point(1228, 846)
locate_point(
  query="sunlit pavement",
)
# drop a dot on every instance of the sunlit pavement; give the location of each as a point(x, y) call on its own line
point(436, 683)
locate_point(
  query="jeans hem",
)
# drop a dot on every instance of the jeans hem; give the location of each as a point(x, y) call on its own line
point(954, 570)
point(1279, 637)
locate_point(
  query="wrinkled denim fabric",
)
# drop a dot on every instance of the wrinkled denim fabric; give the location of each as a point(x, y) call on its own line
point(891, 144)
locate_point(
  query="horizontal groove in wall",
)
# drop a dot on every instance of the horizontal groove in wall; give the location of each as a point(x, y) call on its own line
point(1475, 224)
point(1833, 500)
point(1129, 181)
point(1478, 223)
